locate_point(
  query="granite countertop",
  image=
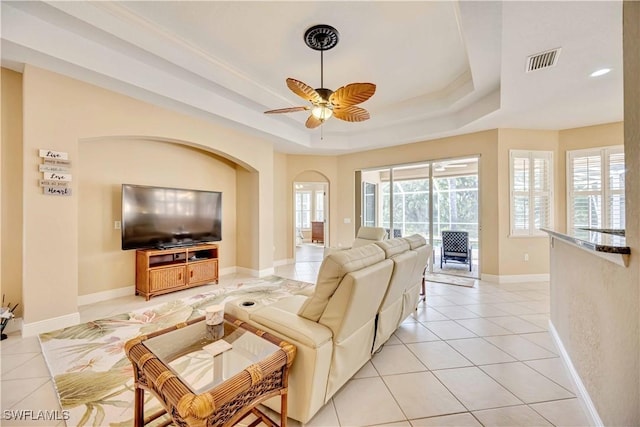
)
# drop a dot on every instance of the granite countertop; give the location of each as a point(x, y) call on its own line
point(595, 239)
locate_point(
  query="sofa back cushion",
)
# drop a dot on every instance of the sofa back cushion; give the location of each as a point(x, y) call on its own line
point(415, 241)
point(392, 247)
point(419, 245)
point(357, 300)
point(404, 265)
point(368, 235)
point(332, 271)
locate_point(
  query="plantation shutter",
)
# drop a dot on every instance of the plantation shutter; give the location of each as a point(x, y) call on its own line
point(586, 202)
point(595, 184)
point(616, 189)
point(542, 190)
point(531, 180)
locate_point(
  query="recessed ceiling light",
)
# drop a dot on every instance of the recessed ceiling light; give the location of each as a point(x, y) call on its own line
point(600, 72)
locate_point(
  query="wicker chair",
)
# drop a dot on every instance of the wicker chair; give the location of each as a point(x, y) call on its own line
point(455, 247)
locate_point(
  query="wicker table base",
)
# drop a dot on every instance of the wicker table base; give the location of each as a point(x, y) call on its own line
point(228, 401)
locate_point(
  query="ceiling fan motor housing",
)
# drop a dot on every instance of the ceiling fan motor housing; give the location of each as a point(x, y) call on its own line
point(324, 93)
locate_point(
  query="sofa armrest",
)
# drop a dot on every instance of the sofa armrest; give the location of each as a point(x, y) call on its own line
point(292, 326)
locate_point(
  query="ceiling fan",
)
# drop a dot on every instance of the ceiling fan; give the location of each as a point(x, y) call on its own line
point(325, 103)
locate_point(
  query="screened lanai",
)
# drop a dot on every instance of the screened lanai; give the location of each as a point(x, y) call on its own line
point(426, 198)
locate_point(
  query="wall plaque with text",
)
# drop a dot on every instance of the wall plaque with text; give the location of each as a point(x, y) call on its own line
point(50, 154)
point(56, 173)
point(51, 168)
point(50, 183)
point(57, 176)
point(57, 191)
point(56, 162)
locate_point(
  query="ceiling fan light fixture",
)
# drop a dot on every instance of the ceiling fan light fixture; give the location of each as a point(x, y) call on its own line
point(321, 112)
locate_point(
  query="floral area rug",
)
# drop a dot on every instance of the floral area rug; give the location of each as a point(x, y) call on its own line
point(93, 376)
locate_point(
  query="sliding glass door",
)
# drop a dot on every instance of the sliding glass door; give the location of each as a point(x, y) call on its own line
point(427, 198)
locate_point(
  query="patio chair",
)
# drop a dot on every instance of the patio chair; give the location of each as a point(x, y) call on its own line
point(455, 247)
point(396, 233)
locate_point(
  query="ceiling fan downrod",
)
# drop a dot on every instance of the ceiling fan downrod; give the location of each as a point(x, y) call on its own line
point(321, 37)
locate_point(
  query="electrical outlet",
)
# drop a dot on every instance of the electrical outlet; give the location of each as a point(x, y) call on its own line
point(347, 220)
point(116, 225)
point(526, 257)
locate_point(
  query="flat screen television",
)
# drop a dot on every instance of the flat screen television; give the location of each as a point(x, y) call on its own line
point(159, 217)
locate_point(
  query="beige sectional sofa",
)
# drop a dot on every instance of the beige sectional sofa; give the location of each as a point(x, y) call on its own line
point(365, 236)
point(360, 298)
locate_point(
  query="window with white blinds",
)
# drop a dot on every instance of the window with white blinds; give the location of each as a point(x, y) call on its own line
point(319, 206)
point(531, 180)
point(303, 209)
point(595, 188)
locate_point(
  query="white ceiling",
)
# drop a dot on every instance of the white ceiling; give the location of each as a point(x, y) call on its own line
point(441, 68)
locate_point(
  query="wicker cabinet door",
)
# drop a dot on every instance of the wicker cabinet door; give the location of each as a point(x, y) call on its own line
point(166, 278)
point(206, 271)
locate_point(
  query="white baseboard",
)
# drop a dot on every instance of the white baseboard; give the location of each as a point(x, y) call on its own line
point(228, 270)
point(516, 278)
point(266, 272)
point(282, 262)
point(106, 295)
point(256, 273)
point(14, 325)
point(583, 395)
point(248, 271)
point(35, 328)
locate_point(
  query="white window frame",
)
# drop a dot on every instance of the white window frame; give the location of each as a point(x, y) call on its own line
point(318, 205)
point(300, 211)
point(605, 192)
point(531, 193)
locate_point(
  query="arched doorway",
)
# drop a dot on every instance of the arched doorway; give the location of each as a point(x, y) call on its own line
point(310, 216)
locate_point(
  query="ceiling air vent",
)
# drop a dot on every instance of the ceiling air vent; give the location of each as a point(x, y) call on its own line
point(543, 60)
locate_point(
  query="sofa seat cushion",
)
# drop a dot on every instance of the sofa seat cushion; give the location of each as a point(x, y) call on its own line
point(333, 269)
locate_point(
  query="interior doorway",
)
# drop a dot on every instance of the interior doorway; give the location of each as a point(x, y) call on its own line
point(311, 226)
point(430, 198)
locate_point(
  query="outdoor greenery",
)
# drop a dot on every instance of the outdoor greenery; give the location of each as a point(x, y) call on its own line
point(455, 205)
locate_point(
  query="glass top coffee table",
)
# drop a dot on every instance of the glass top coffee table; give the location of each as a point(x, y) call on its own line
point(210, 375)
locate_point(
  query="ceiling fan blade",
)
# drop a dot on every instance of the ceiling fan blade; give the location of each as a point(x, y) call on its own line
point(303, 90)
point(352, 94)
point(312, 122)
point(351, 114)
point(287, 110)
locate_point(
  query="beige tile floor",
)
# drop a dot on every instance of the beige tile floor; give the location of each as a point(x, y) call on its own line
point(469, 357)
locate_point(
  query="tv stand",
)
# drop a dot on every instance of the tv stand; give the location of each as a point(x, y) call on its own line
point(160, 271)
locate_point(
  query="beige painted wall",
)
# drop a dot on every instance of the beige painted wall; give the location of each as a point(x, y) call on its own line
point(281, 227)
point(104, 165)
point(11, 189)
point(594, 308)
point(631, 16)
point(59, 112)
point(513, 249)
point(595, 304)
point(248, 222)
